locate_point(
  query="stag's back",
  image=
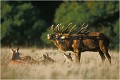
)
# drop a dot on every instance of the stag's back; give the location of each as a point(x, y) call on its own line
point(100, 36)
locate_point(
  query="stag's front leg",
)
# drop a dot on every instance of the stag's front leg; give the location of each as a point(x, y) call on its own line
point(78, 56)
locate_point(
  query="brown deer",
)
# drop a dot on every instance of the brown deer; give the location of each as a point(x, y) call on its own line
point(68, 57)
point(16, 59)
point(73, 40)
point(47, 59)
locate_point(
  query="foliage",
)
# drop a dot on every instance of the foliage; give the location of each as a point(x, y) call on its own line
point(79, 12)
point(44, 36)
point(21, 23)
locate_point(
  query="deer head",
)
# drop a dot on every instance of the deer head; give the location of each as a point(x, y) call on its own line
point(68, 57)
point(47, 59)
point(63, 33)
point(16, 54)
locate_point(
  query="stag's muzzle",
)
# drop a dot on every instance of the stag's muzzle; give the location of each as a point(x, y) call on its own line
point(49, 36)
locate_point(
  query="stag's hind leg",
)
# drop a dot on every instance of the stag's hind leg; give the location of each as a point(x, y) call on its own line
point(105, 51)
point(102, 55)
point(107, 55)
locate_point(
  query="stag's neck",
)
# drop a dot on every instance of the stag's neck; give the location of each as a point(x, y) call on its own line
point(64, 45)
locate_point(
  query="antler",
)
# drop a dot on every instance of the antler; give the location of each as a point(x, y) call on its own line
point(60, 29)
point(57, 28)
point(72, 29)
point(83, 28)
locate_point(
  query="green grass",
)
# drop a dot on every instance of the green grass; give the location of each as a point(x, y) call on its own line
point(90, 67)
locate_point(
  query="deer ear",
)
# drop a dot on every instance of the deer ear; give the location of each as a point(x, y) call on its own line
point(11, 50)
point(47, 55)
point(17, 48)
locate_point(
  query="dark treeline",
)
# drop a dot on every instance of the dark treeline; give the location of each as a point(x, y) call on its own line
point(27, 23)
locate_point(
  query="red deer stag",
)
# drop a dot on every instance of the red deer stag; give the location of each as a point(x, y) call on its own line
point(70, 39)
point(17, 60)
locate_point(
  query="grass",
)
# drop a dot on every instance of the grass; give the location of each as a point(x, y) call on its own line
point(89, 68)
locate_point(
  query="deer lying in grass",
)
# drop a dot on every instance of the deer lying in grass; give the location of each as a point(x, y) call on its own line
point(68, 57)
point(16, 59)
point(47, 59)
point(70, 39)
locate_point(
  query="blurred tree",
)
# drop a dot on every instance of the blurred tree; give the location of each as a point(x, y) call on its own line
point(101, 16)
point(44, 36)
point(92, 12)
point(20, 23)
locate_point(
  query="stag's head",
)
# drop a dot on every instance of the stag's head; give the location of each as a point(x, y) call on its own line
point(60, 32)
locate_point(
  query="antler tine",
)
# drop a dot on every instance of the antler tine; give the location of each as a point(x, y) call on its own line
point(61, 28)
point(72, 29)
point(83, 28)
point(86, 25)
point(55, 29)
point(52, 27)
point(58, 27)
point(83, 24)
point(67, 27)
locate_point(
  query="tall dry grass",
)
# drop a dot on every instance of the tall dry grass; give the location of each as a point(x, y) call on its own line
point(89, 68)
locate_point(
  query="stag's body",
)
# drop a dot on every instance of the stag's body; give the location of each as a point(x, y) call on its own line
point(91, 41)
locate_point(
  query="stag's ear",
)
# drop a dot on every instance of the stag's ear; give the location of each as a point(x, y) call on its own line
point(63, 37)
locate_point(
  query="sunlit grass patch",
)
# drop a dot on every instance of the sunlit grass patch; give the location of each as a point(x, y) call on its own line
point(90, 67)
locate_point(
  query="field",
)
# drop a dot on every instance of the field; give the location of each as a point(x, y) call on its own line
point(90, 67)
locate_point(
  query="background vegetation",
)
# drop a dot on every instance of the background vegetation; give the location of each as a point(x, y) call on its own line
point(28, 22)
